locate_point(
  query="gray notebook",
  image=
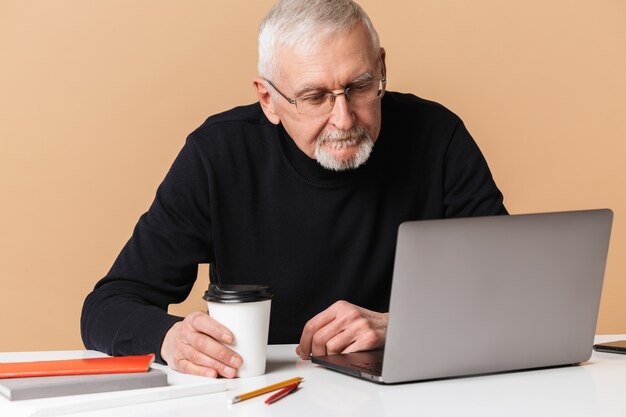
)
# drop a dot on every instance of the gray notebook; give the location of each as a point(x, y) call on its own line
point(54, 386)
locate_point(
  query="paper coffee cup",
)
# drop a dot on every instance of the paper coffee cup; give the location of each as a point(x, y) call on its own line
point(245, 311)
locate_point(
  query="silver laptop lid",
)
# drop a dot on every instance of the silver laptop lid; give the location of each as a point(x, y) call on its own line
point(489, 294)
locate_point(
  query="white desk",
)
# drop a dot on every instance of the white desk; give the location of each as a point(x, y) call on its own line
point(596, 388)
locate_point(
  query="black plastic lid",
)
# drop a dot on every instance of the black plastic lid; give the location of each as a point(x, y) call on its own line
point(225, 293)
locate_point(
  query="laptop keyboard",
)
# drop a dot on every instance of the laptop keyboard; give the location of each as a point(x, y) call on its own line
point(375, 367)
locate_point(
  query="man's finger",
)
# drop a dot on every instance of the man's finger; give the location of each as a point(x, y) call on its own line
point(206, 324)
point(311, 327)
point(337, 328)
point(213, 349)
point(187, 367)
point(198, 358)
point(341, 341)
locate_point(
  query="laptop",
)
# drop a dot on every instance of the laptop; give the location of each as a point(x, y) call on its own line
point(484, 295)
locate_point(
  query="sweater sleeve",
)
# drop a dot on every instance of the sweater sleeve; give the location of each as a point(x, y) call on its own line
point(469, 188)
point(126, 313)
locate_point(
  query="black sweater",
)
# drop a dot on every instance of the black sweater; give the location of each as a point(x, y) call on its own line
point(242, 197)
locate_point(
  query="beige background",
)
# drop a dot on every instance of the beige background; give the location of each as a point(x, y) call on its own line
point(96, 98)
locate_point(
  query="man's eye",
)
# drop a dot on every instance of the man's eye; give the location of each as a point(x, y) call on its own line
point(360, 88)
point(314, 99)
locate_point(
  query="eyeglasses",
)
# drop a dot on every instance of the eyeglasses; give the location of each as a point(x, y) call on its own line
point(359, 94)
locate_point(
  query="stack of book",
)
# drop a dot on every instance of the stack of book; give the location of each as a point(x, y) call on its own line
point(44, 379)
point(24, 392)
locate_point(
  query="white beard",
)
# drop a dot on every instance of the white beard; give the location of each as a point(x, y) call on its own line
point(341, 139)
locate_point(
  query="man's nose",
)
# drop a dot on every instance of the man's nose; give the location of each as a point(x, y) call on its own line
point(342, 116)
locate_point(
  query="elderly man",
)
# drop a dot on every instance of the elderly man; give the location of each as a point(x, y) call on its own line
point(302, 191)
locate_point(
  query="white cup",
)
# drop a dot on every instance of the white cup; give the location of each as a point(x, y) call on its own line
point(245, 311)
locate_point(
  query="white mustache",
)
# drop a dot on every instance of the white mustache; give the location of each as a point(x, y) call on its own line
point(352, 135)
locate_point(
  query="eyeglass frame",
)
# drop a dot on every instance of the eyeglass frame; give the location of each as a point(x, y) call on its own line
point(333, 96)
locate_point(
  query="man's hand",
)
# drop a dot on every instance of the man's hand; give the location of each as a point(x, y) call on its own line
point(343, 328)
point(196, 346)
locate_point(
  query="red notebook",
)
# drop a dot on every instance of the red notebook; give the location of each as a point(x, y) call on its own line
point(109, 365)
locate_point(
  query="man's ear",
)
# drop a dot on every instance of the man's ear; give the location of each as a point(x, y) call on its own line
point(383, 55)
point(265, 99)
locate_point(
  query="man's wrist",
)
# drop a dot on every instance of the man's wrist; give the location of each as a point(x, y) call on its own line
point(167, 340)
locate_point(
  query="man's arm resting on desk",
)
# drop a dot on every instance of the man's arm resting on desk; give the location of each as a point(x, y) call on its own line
point(126, 313)
point(117, 321)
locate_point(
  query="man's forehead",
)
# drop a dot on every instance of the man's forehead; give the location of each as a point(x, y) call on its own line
point(326, 60)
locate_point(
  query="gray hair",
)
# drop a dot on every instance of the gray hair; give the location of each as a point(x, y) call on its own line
point(303, 23)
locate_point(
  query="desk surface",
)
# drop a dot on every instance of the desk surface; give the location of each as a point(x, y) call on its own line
point(595, 388)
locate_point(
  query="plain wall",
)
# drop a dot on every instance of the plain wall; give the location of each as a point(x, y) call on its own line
point(97, 97)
